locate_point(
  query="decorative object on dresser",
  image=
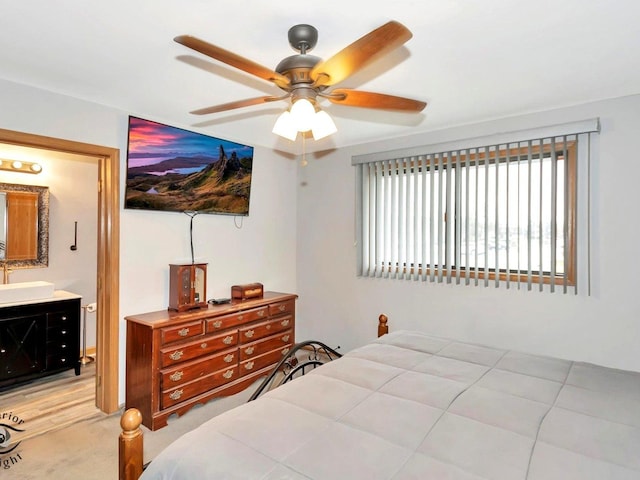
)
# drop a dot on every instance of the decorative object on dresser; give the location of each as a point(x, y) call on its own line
point(39, 338)
point(245, 292)
point(187, 286)
point(176, 360)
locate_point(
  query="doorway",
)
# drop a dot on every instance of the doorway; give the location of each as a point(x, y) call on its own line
point(108, 318)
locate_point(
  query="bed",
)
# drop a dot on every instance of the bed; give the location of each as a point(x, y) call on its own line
point(416, 406)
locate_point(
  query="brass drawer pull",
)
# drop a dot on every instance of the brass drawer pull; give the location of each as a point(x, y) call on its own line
point(248, 365)
point(285, 338)
point(227, 340)
point(228, 374)
point(269, 327)
point(176, 394)
point(249, 350)
point(240, 317)
point(260, 313)
point(183, 332)
point(229, 358)
point(177, 355)
point(175, 376)
point(203, 345)
point(217, 324)
point(249, 333)
point(282, 308)
point(284, 323)
point(284, 351)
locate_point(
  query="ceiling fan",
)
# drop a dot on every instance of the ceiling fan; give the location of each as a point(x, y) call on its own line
point(304, 77)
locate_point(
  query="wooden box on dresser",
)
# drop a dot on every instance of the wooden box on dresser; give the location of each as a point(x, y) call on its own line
point(178, 359)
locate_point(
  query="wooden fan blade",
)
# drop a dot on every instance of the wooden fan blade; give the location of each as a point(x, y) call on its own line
point(238, 104)
point(232, 59)
point(357, 98)
point(373, 45)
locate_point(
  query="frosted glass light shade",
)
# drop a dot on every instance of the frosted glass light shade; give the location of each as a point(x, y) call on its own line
point(303, 114)
point(323, 125)
point(285, 126)
point(303, 117)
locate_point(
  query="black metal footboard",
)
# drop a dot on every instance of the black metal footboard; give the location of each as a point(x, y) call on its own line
point(302, 358)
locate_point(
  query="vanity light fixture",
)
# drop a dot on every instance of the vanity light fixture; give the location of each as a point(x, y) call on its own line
point(20, 166)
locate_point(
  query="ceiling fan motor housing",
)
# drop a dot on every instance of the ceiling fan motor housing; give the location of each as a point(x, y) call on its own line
point(297, 68)
point(303, 37)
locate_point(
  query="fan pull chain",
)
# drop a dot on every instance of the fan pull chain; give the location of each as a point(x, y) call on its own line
point(304, 162)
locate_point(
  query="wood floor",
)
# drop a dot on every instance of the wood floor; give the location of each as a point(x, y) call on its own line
point(53, 402)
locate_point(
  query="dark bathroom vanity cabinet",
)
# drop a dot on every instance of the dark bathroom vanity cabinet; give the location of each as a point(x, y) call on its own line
point(38, 338)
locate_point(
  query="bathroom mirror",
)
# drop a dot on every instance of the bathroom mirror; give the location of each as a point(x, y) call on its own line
point(24, 225)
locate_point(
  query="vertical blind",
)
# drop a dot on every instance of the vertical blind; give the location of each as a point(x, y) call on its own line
point(502, 212)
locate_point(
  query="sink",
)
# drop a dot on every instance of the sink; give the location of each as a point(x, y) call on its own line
point(20, 292)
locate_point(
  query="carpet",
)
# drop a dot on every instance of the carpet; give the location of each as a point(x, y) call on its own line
point(88, 450)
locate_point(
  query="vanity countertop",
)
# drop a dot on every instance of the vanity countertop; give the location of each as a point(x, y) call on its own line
point(58, 295)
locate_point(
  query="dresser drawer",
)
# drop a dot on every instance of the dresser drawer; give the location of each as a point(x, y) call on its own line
point(182, 331)
point(61, 360)
point(202, 385)
point(61, 319)
point(264, 329)
point(62, 335)
point(203, 346)
point(257, 363)
point(278, 341)
point(188, 371)
point(234, 319)
point(280, 308)
point(62, 347)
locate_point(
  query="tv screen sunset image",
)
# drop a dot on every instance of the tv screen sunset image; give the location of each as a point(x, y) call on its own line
point(177, 170)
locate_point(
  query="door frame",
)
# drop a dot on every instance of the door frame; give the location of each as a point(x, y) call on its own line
point(108, 294)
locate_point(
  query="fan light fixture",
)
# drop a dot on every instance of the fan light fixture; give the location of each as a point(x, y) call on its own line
point(20, 166)
point(303, 117)
point(304, 78)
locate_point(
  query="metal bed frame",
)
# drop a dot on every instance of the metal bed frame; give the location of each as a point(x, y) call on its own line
point(301, 359)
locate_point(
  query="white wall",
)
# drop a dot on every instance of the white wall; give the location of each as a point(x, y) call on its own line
point(257, 248)
point(337, 307)
point(73, 197)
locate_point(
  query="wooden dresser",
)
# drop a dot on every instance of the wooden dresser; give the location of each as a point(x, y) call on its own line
point(178, 359)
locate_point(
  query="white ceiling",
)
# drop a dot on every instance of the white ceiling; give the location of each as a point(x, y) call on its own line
point(471, 60)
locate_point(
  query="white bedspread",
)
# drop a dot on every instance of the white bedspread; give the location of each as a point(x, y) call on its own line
point(412, 406)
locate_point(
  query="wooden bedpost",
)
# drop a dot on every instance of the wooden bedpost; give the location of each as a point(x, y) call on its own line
point(130, 445)
point(383, 328)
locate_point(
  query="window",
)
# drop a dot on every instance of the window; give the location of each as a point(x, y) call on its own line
point(504, 213)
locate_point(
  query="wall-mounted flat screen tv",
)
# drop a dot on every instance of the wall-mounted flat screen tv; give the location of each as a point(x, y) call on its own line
point(172, 169)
